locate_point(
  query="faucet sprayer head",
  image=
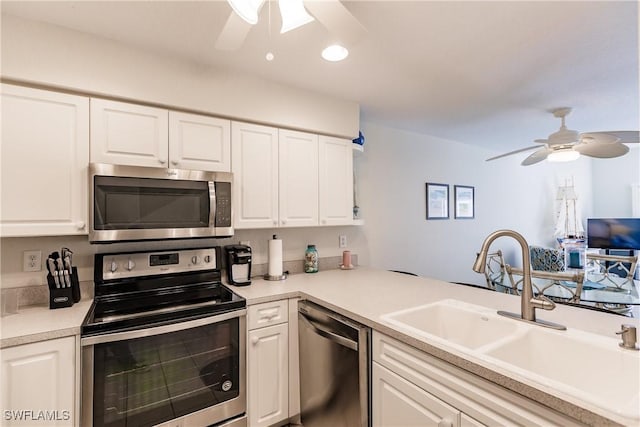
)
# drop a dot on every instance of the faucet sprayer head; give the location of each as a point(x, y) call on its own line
point(481, 261)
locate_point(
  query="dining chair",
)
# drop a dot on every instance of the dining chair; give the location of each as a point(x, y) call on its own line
point(569, 283)
point(613, 268)
point(495, 270)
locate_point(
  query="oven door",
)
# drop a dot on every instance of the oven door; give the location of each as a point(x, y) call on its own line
point(193, 370)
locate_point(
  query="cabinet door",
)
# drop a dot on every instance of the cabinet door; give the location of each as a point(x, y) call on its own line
point(254, 163)
point(268, 375)
point(298, 157)
point(128, 134)
point(397, 402)
point(336, 181)
point(40, 378)
point(199, 142)
point(45, 158)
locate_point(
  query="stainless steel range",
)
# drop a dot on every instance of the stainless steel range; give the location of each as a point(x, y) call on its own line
point(164, 342)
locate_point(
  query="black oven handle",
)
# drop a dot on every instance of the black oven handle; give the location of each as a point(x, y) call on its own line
point(158, 330)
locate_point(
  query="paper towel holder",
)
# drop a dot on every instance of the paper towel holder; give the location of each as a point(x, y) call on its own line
point(277, 247)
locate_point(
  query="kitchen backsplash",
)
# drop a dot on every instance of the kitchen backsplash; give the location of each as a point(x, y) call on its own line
point(295, 241)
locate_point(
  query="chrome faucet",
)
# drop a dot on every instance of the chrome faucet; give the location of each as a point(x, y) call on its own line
point(528, 303)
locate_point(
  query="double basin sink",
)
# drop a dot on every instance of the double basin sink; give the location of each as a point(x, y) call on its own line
point(589, 367)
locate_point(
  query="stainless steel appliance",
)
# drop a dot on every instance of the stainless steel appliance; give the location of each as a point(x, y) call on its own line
point(238, 264)
point(163, 343)
point(142, 203)
point(334, 369)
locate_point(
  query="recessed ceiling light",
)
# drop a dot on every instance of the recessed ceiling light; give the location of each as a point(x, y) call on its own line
point(269, 56)
point(335, 53)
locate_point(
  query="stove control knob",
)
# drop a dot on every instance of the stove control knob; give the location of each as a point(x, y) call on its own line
point(195, 260)
point(207, 258)
point(130, 265)
point(114, 266)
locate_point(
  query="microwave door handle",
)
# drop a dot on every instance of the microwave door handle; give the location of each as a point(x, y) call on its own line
point(212, 204)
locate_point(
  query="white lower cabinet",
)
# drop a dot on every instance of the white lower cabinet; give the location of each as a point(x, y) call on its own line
point(397, 402)
point(411, 387)
point(38, 383)
point(268, 365)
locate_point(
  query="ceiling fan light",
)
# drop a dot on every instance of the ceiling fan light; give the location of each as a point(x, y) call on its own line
point(563, 155)
point(247, 9)
point(335, 53)
point(293, 14)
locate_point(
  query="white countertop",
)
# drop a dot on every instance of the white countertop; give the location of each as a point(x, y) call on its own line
point(365, 295)
point(39, 323)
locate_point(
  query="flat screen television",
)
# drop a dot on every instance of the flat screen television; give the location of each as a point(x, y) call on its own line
point(613, 233)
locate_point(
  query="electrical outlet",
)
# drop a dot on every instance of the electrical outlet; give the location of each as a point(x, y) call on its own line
point(342, 241)
point(32, 261)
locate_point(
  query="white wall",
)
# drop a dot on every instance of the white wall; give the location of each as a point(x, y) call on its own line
point(394, 169)
point(46, 54)
point(612, 183)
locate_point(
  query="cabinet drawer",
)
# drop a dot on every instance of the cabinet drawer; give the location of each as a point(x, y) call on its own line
point(268, 313)
point(482, 400)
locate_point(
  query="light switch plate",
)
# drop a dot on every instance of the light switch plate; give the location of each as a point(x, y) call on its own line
point(32, 261)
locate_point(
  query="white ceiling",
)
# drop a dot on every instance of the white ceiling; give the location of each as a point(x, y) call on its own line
point(483, 73)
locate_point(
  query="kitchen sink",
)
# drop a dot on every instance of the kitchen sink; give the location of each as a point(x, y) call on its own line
point(454, 321)
point(587, 366)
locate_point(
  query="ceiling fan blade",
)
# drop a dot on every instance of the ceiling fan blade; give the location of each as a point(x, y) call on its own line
point(337, 19)
point(536, 157)
point(605, 150)
point(624, 136)
point(233, 34)
point(513, 152)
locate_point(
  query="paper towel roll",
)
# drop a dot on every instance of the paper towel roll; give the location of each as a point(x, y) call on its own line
point(275, 257)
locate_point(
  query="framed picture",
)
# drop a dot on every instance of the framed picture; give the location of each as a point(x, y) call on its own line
point(464, 200)
point(437, 201)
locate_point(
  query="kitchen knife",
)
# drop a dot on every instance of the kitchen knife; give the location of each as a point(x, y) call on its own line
point(51, 266)
point(67, 270)
point(59, 269)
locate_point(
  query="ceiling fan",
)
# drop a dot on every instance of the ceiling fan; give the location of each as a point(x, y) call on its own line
point(567, 144)
point(342, 26)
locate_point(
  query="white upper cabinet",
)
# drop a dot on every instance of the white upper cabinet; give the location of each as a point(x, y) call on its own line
point(336, 181)
point(138, 135)
point(199, 142)
point(128, 134)
point(298, 154)
point(254, 163)
point(45, 157)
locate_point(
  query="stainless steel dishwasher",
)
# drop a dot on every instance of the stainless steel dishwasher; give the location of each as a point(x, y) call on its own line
point(334, 369)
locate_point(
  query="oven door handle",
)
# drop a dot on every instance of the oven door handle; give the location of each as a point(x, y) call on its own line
point(158, 330)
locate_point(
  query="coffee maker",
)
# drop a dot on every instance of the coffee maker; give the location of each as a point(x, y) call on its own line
point(238, 264)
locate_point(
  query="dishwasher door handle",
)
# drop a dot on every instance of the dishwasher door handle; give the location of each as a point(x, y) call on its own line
point(331, 336)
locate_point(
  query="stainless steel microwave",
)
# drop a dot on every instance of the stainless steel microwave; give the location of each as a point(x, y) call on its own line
point(131, 203)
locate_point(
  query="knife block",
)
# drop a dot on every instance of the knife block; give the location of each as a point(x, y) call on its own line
point(60, 297)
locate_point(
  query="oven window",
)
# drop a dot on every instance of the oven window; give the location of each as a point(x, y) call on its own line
point(144, 203)
point(150, 380)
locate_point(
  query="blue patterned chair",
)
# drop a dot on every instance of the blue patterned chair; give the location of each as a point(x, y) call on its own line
point(546, 259)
